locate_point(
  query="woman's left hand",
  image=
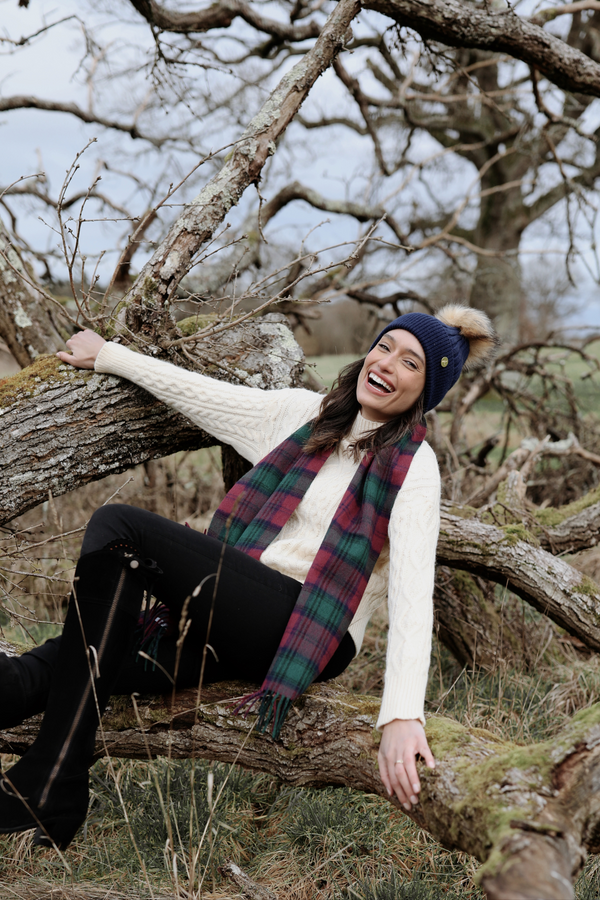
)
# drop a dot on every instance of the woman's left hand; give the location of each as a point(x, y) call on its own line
point(401, 741)
point(84, 346)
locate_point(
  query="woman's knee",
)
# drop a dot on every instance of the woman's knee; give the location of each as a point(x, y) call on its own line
point(108, 523)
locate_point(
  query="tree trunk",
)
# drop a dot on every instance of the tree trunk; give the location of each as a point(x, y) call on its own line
point(497, 290)
point(62, 427)
point(234, 466)
point(467, 621)
point(27, 326)
point(526, 812)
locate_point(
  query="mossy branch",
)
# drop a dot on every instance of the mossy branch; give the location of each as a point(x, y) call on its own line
point(525, 812)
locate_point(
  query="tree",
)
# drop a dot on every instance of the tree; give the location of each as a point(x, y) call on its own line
point(521, 550)
point(502, 116)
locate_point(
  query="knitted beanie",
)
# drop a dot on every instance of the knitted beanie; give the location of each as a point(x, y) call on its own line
point(456, 337)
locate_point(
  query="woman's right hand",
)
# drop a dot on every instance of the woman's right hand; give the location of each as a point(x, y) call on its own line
point(85, 347)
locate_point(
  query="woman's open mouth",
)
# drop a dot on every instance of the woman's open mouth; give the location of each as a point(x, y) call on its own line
point(376, 382)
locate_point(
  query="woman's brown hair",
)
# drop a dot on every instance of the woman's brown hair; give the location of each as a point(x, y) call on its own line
point(338, 412)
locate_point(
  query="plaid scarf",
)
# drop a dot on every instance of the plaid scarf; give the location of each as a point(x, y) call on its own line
point(257, 508)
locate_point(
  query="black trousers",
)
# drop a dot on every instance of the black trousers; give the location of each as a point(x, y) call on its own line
point(250, 607)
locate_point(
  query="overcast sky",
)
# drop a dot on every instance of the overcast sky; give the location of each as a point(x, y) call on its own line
point(31, 140)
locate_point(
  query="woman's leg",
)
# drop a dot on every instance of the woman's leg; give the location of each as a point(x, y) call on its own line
point(48, 787)
point(25, 682)
point(251, 608)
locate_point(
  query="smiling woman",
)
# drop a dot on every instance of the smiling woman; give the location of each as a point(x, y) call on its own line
point(339, 512)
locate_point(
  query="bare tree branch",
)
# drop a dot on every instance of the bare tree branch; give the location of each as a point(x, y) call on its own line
point(26, 324)
point(28, 102)
point(174, 257)
point(501, 554)
point(459, 24)
point(221, 15)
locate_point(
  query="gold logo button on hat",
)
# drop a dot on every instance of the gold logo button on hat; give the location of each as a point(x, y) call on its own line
point(444, 362)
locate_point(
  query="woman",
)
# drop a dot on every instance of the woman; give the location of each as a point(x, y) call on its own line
point(340, 510)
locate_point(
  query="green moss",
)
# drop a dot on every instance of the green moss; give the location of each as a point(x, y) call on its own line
point(26, 382)
point(587, 586)
point(502, 491)
point(478, 781)
point(464, 512)
point(552, 517)
point(501, 514)
point(517, 532)
point(463, 581)
point(122, 715)
point(195, 323)
point(149, 288)
point(376, 736)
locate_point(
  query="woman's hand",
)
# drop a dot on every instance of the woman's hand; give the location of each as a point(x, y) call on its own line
point(401, 741)
point(85, 347)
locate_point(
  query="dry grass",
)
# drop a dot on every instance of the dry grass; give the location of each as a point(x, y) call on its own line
point(332, 844)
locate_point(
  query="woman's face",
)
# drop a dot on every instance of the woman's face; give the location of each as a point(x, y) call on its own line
point(393, 376)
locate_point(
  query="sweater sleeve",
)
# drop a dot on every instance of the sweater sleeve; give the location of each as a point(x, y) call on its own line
point(251, 420)
point(413, 531)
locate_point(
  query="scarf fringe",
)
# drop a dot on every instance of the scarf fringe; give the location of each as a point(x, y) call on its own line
point(272, 711)
point(152, 625)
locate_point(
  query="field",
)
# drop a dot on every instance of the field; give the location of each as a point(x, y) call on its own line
point(156, 830)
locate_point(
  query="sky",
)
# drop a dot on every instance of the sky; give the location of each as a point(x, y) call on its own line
point(33, 141)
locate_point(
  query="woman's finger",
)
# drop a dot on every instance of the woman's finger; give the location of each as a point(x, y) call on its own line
point(400, 781)
point(383, 771)
point(411, 776)
point(388, 776)
point(426, 753)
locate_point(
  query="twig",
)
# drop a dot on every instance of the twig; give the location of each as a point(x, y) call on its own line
point(250, 889)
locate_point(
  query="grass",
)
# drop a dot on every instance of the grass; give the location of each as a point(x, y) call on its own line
point(187, 817)
point(326, 368)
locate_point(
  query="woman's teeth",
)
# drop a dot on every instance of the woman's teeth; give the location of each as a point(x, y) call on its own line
point(376, 381)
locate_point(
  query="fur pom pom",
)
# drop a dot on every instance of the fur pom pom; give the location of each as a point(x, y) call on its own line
point(476, 327)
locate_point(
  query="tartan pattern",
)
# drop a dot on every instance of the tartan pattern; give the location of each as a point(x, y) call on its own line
point(253, 513)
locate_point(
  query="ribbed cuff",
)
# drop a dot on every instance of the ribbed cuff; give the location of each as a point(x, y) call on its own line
point(357, 631)
point(403, 698)
point(114, 359)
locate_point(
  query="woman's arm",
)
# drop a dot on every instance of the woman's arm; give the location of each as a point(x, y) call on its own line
point(250, 419)
point(413, 532)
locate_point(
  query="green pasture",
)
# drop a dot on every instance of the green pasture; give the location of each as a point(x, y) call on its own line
point(562, 364)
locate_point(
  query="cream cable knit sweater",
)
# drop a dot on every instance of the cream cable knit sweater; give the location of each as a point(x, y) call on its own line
point(254, 422)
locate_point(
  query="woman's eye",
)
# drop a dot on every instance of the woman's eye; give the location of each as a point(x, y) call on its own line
point(411, 364)
point(383, 346)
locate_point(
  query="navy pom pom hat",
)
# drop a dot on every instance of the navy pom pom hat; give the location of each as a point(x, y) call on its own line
point(456, 338)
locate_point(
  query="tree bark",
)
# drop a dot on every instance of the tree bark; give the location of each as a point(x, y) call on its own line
point(145, 309)
point(466, 619)
point(511, 556)
point(459, 24)
point(62, 427)
point(526, 812)
point(578, 531)
point(26, 324)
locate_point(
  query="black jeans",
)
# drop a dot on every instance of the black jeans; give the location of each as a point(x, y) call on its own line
point(250, 607)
